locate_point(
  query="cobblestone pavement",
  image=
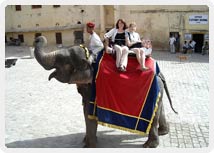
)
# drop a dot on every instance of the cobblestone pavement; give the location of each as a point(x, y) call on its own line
point(48, 114)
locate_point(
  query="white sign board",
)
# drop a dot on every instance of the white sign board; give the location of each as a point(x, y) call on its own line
point(198, 19)
point(206, 36)
point(187, 36)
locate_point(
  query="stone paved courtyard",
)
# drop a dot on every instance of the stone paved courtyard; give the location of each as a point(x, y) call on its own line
point(48, 114)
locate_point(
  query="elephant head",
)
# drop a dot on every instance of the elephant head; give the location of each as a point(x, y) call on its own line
point(71, 64)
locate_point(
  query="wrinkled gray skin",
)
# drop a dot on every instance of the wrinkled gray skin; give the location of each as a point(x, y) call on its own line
point(72, 67)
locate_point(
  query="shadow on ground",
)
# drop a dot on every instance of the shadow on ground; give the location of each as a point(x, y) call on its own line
point(105, 140)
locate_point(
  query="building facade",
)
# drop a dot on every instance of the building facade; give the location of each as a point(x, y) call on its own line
point(65, 24)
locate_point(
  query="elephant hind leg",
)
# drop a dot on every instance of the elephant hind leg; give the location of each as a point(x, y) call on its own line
point(163, 125)
point(151, 143)
point(153, 138)
point(163, 130)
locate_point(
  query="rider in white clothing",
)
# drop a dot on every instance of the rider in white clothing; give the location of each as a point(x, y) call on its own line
point(95, 43)
point(118, 37)
point(139, 47)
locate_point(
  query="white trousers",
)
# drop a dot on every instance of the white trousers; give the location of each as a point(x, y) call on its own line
point(147, 51)
point(172, 48)
point(141, 54)
point(121, 55)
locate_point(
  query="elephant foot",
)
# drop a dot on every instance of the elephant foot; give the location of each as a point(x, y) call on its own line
point(151, 143)
point(89, 146)
point(84, 139)
point(163, 130)
point(89, 143)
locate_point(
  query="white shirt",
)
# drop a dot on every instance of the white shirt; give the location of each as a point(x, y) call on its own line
point(192, 44)
point(172, 40)
point(112, 33)
point(134, 37)
point(186, 45)
point(95, 43)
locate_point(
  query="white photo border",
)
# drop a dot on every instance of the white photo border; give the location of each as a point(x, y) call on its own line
point(4, 3)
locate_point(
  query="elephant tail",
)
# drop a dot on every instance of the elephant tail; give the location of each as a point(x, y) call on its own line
point(167, 91)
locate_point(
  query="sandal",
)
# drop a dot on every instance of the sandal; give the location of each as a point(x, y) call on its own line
point(122, 69)
point(144, 68)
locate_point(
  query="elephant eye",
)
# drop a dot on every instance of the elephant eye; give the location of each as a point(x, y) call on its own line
point(74, 70)
point(71, 68)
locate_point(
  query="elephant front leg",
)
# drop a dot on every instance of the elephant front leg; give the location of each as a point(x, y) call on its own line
point(91, 129)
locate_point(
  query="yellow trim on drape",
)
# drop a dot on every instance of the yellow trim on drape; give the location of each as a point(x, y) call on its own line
point(99, 66)
point(138, 117)
point(144, 101)
point(153, 115)
point(122, 128)
point(127, 129)
point(96, 79)
point(123, 113)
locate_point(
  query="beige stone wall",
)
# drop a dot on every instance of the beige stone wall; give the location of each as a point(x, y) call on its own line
point(29, 21)
point(8, 17)
point(67, 37)
point(155, 22)
point(47, 16)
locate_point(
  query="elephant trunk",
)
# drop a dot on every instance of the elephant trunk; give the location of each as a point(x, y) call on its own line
point(52, 75)
point(46, 60)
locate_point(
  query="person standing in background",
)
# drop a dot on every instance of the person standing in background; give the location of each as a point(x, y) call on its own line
point(185, 47)
point(172, 41)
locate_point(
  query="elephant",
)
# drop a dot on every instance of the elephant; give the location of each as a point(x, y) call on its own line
point(72, 67)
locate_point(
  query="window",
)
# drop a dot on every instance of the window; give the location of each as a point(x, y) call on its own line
point(78, 37)
point(36, 6)
point(55, 6)
point(18, 8)
point(58, 38)
point(37, 35)
point(21, 37)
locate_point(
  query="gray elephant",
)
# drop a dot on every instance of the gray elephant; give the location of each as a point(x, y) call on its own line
point(72, 67)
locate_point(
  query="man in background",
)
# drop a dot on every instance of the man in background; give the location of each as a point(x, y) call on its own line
point(172, 41)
